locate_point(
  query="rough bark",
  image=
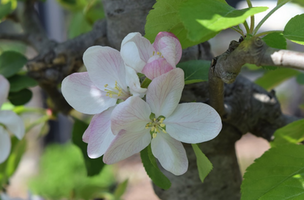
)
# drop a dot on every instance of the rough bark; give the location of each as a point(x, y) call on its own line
point(245, 107)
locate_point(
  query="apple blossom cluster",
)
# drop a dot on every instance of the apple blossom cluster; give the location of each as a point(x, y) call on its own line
point(124, 123)
point(10, 123)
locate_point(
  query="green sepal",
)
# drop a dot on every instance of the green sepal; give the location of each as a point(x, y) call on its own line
point(204, 166)
point(93, 166)
point(152, 169)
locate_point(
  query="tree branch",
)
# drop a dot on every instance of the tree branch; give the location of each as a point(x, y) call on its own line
point(15, 37)
point(54, 60)
point(227, 66)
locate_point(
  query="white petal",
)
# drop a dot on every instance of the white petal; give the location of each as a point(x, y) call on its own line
point(131, 115)
point(99, 135)
point(4, 88)
point(127, 144)
point(136, 50)
point(165, 91)
point(134, 84)
point(193, 123)
point(170, 153)
point(12, 123)
point(169, 46)
point(5, 145)
point(131, 56)
point(105, 66)
point(83, 95)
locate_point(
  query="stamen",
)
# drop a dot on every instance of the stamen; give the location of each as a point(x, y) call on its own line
point(115, 92)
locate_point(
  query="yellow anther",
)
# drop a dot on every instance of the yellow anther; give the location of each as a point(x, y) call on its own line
point(153, 129)
point(164, 130)
point(154, 135)
point(106, 85)
point(157, 53)
point(162, 125)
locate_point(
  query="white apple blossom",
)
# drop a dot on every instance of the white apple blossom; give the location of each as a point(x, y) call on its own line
point(106, 81)
point(162, 122)
point(10, 123)
point(151, 59)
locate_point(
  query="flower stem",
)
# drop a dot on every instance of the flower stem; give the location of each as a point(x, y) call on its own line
point(145, 83)
point(268, 15)
point(251, 18)
point(267, 32)
point(246, 27)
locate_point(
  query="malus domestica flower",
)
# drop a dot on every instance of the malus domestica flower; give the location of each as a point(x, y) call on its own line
point(10, 122)
point(162, 122)
point(151, 59)
point(106, 81)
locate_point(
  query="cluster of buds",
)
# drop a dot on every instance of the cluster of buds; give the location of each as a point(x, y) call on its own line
point(124, 123)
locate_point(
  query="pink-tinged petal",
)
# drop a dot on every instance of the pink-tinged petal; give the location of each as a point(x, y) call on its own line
point(12, 123)
point(170, 153)
point(155, 67)
point(99, 135)
point(165, 91)
point(105, 66)
point(136, 51)
point(83, 95)
point(169, 46)
point(131, 115)
point(193, 123)
point(5, 145)
point(134, 84)
point(127, 144)
point(4, 88)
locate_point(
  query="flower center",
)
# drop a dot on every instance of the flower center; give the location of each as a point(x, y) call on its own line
point(156, 126)
point(116, 92)
point(157, 53)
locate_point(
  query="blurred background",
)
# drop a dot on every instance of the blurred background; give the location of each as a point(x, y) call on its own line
point(44, 164)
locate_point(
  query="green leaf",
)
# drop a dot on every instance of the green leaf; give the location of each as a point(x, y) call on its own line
point(204, 166)
point(300, 78)
point(73, 5)
point(78, 25)
point(19, 82)
point(5, 9)
point(275, 40)
point(21, 97)
point(11, 62)
point(93, 166)
point(277, 174)
point(294, 29)
point(120, 190)
point(153, 172)
point(291, 133)
point(299, 2)
point(273, 78)
point(95, 12)
point(195, 70)
point(165, 17)
point(205, 18)
point(282, 1)
point(8, 168)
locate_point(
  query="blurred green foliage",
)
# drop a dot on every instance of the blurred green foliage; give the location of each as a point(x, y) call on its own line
point(63, 175)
